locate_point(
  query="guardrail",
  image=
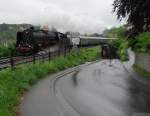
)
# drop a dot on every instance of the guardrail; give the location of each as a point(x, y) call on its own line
point(13, 61)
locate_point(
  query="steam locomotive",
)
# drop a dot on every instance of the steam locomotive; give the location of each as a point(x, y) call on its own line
point(31, 40)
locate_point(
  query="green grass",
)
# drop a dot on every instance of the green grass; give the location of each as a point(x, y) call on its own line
point(14, 82)
point(141, 71)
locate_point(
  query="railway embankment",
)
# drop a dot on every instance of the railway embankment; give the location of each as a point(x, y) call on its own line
point(13, 83)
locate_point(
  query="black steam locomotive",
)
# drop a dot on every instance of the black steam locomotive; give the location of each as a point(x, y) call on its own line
point(31, 40)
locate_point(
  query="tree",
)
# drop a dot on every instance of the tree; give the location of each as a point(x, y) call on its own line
point(115, 32)
point(136, 11)
point(3, 27)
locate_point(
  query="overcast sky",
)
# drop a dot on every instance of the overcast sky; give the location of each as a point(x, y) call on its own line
point(85, 16)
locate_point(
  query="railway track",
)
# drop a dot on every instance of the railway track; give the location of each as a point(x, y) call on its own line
point(47, 54)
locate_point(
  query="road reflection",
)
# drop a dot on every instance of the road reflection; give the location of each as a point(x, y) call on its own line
point(101, 90)
point(75, 78)
point(140, 96)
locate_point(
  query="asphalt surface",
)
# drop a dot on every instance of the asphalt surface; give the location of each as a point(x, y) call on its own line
point(99, 89)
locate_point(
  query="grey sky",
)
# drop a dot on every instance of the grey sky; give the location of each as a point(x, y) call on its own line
point(75, 15)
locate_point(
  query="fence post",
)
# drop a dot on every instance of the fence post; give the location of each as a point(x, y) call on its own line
point(34, 59)
point(65, 51)
point(49, 56)
point(43, 57)
point(60, 47)
point(69, 49)
point(59, 51)
point(12, 62)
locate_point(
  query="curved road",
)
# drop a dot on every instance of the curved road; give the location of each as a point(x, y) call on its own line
point(95, 90)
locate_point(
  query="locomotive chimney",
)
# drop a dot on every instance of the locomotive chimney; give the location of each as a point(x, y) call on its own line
point(45, 28)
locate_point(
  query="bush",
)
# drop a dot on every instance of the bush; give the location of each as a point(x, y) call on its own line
point(142, 43)
point(14, 83)
point(7, 49)
point(121, 45)
point(122, 50)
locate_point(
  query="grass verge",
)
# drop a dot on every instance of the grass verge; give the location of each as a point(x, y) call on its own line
point(141, 71)
point(14, 82)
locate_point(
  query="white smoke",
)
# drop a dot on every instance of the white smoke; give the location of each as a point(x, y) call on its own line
point(84, 16)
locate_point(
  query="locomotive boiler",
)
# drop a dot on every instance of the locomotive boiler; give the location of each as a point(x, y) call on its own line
point(31, 40)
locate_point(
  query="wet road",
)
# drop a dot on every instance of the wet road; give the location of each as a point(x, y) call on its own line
point(95, 90)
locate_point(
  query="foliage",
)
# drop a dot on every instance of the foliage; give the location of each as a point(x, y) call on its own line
point(7, 49)
point(8, 31)
point(142, 42)
point(136, 11)
point(121, 45)
point(141, 71)
point(122, 50)
point(9, 35)
point(14, 82)
point(115, 32)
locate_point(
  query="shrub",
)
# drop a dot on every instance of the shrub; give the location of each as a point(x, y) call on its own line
point(7, 49)
point(121, 45)
point(143, 42)
point(122, 50)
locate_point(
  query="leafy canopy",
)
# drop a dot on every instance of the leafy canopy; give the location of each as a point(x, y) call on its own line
point(136, 11)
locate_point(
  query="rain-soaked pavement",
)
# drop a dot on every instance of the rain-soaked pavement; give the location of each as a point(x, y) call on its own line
point(95, 90)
